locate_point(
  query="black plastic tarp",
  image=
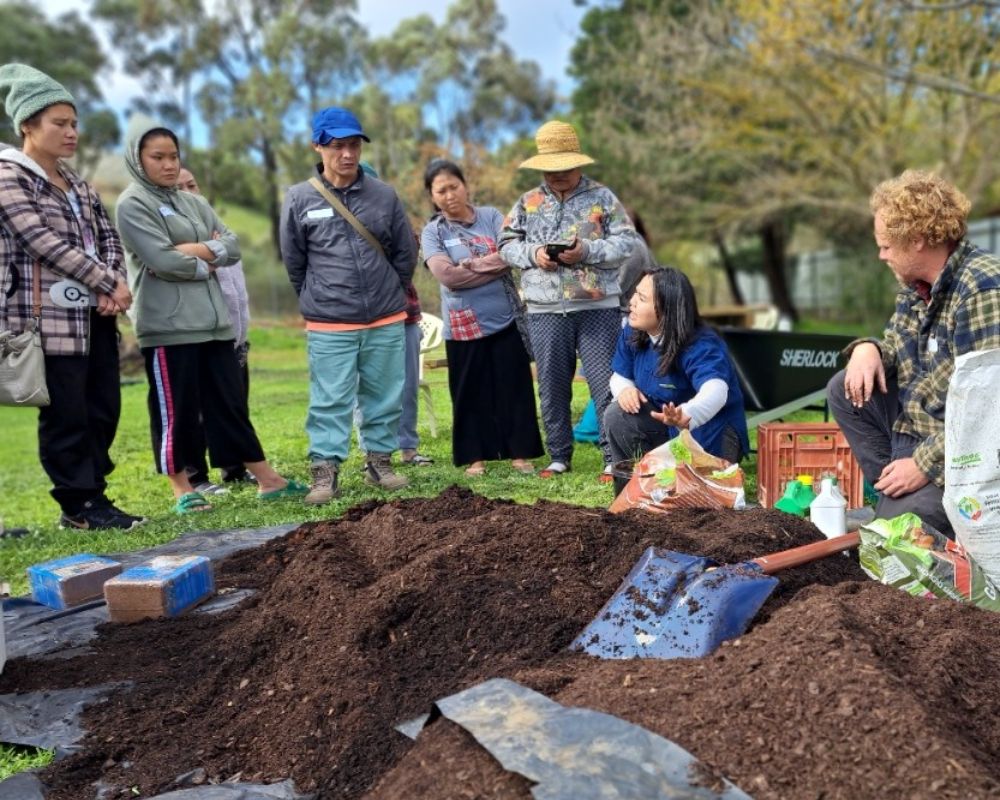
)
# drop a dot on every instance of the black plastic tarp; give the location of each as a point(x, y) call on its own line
point(577, 753)
point(26, 786)
point(51, 719)
point(36, 630)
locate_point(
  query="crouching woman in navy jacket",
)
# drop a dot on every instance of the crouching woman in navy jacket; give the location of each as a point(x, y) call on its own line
point(672, 371)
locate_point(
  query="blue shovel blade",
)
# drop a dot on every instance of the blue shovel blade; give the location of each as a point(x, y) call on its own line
point(673, 605)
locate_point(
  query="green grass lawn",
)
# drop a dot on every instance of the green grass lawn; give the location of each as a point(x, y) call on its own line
point(279, 396)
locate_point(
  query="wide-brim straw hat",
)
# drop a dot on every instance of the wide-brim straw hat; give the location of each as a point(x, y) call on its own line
point(558, 149)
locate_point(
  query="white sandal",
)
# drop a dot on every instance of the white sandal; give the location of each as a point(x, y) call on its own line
point(553, 469)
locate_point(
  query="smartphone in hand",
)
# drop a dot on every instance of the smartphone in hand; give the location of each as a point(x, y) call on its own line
point(555, 249)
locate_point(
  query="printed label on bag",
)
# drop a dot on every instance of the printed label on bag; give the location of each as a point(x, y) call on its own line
point(69, 293)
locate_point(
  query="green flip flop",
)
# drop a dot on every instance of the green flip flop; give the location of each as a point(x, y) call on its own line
point(191, 503)
point(291, 489)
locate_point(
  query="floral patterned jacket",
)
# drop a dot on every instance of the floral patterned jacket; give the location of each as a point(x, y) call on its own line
point(591, 213)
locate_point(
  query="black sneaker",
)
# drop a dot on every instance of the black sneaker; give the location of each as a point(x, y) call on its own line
point(100, 515)
point(232, 476)
point(136, 520)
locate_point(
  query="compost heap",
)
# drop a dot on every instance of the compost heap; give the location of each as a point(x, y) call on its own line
point(843, 688)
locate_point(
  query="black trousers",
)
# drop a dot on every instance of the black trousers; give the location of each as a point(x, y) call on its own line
point(632, 435)
point(75, 432)
point(195, 387)
point(874, 443)
point(493, 399)
point(198, 470)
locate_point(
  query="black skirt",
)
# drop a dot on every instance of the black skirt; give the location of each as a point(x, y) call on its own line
point(493, 399)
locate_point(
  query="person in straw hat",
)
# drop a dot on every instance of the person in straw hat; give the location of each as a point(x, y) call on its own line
point(567, 237)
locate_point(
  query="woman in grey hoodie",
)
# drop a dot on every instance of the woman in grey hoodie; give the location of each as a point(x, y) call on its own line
point(174, 243)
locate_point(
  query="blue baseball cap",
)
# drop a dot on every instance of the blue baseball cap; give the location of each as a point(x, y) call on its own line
point(335, 123)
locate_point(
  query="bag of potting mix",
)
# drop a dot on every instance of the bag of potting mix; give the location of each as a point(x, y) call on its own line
point(905, 553)
point(972, 457)
point(681, 474)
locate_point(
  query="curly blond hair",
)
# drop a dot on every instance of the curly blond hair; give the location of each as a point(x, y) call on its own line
point(921, 205)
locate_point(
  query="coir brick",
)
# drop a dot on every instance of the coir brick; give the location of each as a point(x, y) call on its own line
point(71, 581)
point(164, 587)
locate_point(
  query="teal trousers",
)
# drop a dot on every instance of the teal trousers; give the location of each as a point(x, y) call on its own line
point(364, 367)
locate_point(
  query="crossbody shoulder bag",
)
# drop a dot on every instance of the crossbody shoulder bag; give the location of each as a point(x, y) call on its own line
point(341, 209)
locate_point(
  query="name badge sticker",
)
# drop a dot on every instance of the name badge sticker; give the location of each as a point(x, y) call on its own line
point(452, 242)
point(167, 211)
point(319, 213)
point(932, 345)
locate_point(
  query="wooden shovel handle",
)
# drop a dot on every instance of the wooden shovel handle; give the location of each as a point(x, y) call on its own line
point(806, 553)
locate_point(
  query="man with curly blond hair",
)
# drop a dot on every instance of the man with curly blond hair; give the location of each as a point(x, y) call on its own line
point(890, 400)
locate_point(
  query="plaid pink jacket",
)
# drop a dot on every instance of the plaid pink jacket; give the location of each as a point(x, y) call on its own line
point(37, 223)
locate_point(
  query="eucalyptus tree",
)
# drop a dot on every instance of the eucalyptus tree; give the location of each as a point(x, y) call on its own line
point(67, 49)
point(254, 69)
point(754, 115)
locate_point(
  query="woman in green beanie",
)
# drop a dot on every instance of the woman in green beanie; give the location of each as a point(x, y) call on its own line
point(52, 218)
point(174, 243)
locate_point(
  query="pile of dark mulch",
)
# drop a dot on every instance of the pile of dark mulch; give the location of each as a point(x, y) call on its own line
point(842, 689)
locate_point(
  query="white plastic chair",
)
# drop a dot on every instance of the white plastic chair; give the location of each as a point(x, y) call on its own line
point(433, 329)
point(765, 319)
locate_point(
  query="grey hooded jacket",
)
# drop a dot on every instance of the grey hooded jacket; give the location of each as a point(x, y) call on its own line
point(337, 274)
point(176, 298)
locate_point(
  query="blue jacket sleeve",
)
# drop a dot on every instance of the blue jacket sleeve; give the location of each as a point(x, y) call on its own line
point(623, 361)
point(704, 359)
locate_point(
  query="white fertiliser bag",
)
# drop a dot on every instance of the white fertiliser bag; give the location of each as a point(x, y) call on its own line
point(972, 457)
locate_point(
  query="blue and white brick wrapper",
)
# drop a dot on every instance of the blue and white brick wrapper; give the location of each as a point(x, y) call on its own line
point(70, 581)
point(166, 586)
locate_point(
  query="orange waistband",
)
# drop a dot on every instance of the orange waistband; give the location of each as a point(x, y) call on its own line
point(340, 327)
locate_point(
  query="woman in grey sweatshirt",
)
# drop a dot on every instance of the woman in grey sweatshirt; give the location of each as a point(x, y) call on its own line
point(174, 243)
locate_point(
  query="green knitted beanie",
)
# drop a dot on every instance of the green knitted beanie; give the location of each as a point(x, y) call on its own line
point(28, 91)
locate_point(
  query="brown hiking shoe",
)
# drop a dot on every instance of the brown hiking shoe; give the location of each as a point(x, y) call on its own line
point(324, 483)
point(378, 472)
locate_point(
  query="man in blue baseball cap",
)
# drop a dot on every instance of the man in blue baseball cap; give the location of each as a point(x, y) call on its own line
point(349, 251)
point(335, 123)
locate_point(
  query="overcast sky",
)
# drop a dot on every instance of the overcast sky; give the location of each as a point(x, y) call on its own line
point(541, 30)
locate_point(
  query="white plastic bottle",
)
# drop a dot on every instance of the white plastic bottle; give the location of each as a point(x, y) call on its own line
point(828, 511)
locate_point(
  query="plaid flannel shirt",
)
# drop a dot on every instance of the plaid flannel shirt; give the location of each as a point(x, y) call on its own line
point(37, 223)
point(923, 338)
